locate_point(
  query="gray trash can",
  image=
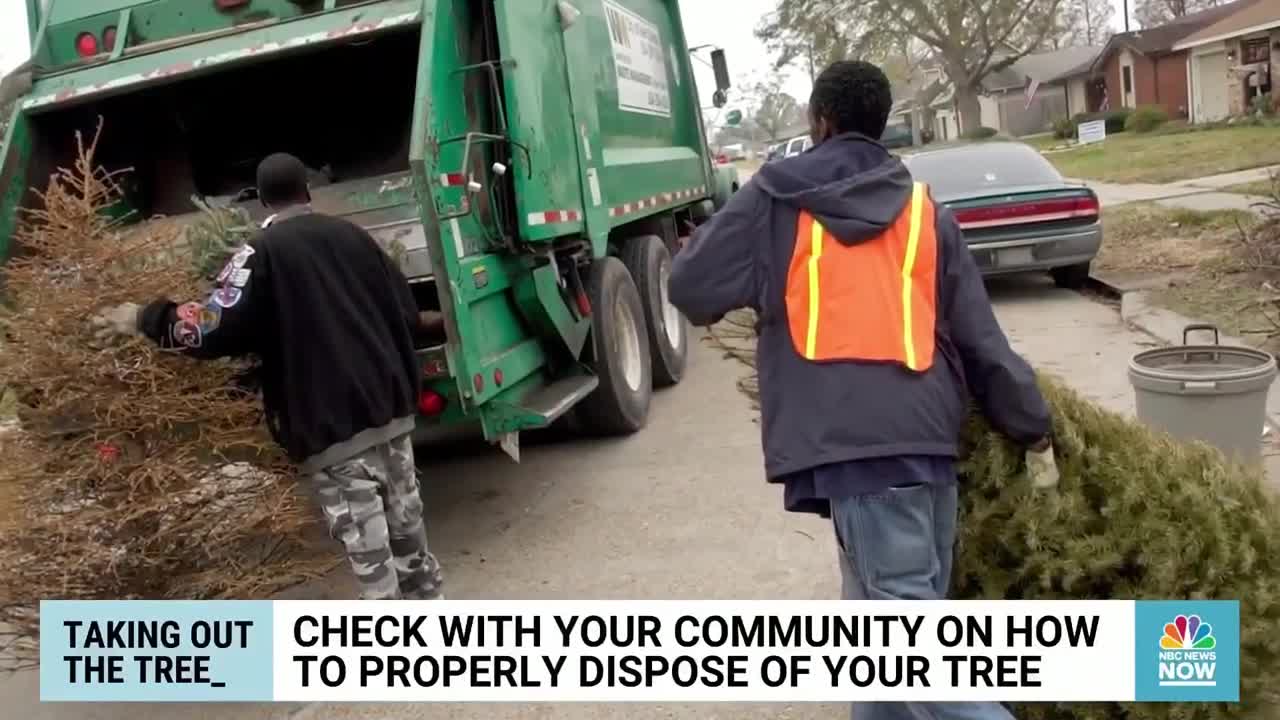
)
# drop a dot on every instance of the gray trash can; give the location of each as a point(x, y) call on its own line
point(1212, 393)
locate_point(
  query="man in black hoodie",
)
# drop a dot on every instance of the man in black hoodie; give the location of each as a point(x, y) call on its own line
point(874, 327)
point(331, 319)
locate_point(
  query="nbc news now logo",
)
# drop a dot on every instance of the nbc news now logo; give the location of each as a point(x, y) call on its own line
point(1187, 656)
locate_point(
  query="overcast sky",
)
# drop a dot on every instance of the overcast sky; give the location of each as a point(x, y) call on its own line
point(725, 23)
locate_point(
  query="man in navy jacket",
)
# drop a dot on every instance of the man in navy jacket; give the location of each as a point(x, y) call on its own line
point(874, 330)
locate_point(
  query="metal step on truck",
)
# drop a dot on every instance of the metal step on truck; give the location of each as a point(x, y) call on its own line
point(531, 163)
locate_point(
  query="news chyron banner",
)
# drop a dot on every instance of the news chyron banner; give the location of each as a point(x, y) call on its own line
point(660, 651)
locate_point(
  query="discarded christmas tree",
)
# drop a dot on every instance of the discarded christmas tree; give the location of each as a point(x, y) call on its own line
point(1136, 515)
point(134, 472)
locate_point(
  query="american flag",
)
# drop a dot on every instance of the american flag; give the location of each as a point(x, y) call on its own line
point(1032, 87)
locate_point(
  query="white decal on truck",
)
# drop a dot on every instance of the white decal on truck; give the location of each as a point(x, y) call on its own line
point(640, 62)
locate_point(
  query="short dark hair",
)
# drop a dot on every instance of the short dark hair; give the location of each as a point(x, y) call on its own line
point(853, 96)
point(282, 180)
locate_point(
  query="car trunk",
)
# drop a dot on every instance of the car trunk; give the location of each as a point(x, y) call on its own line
point(1023, 212)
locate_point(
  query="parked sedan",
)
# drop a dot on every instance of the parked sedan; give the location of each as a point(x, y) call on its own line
point(1016, 212)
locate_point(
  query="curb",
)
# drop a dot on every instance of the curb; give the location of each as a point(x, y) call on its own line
point(1167, 327)
point(1102, 287)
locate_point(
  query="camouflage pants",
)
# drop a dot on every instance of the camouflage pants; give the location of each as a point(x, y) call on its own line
point(373, 507)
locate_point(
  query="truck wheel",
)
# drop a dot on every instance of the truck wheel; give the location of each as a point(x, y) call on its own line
point(620, 353)
point(650, 264)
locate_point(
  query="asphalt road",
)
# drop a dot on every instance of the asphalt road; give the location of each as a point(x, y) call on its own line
point(680, 510)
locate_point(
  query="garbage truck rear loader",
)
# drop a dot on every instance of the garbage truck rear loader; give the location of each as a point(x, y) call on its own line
point(530, 163)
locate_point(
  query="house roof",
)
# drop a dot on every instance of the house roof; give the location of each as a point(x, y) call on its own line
point(1005, 79)
point(1056, 65)
point(1261, 15)
point(1162, 38)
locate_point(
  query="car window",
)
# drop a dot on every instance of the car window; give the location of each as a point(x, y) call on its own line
point(796, 146)
point(972, 169)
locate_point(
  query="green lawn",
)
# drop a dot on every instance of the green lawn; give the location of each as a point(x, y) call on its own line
point(1166, 157)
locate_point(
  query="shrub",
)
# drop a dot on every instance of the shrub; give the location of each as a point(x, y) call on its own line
point(1113, 119)
point(1262, 104)
point(1064, 128)
point(1146, 119)
point(1136, 515)
point(980, 133)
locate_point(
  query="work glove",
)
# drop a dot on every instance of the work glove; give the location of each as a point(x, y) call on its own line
point(1042, 467)
point(118, 321)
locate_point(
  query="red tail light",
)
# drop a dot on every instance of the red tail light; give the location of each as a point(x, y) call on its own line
point(86, 45)
point(109, 39)
point(229, 4)
point(431, 403)
point(1028, 212)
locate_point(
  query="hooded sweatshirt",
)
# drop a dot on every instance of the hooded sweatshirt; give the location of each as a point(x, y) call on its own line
point(819, 414)
point(330, 317)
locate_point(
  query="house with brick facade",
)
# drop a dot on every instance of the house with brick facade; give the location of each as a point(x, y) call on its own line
point(1149, 67)
point(1230, 63)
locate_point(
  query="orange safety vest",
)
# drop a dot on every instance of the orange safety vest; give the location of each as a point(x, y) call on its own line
point(873, 301)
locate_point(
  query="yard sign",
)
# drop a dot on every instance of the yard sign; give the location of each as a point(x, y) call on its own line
point(1092, 132)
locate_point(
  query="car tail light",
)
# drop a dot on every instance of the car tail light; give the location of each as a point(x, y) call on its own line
point(86, 45)
point(109, 39)
point(1028, 212)
point(431, 403)
point(229, 4)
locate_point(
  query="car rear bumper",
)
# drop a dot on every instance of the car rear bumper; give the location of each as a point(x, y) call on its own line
point(1037, 253)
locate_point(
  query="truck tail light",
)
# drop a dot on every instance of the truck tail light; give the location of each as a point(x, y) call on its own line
point(1028, 212)
point(86, 45)
point(431, 403)
point(109, 39)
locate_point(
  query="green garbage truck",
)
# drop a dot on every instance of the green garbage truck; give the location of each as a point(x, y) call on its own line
point(532, 164)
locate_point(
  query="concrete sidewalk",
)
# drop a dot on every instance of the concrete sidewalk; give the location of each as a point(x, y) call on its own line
point(1196, 194)
point(1225, 180)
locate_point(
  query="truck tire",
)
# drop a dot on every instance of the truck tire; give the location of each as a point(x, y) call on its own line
point(620, 353)
point(649, 262)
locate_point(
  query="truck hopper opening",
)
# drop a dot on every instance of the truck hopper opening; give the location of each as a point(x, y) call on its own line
point(344, 109)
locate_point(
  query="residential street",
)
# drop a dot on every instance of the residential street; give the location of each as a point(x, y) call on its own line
point(680, 510)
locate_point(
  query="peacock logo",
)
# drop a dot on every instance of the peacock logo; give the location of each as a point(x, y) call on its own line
point(1188, 633)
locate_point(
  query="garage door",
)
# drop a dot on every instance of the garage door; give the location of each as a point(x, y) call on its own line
point(1211, 87)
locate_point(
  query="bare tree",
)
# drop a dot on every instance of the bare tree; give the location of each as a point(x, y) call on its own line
point(1084, 22)
point(795, 34)
point(1153, 13)
point(777, 110)
point(971, 38)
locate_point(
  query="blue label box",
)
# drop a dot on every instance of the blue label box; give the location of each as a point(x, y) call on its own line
point(155, 651)
point(1187, 651)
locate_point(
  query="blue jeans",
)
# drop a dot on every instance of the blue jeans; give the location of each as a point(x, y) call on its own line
point(897, 545)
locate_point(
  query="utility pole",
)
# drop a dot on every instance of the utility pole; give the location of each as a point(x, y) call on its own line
point(1126, 15)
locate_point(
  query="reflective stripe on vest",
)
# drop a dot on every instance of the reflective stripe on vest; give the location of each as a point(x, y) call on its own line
point(875, 300)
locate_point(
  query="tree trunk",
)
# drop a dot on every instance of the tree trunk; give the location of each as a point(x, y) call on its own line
point(969, 108)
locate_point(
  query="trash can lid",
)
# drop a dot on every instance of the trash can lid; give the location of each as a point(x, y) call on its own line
point(1203, 363)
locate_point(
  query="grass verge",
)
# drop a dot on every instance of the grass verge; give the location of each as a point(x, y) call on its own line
point(1171, 156)
point(1202, 255)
